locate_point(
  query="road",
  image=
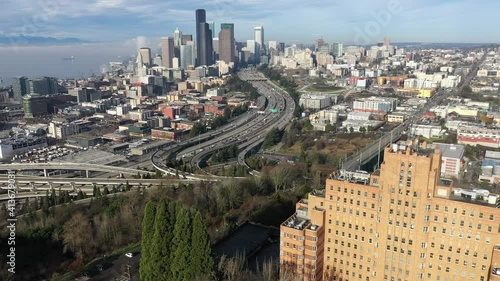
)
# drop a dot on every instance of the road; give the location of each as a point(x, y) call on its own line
point(355, 161)
point(248, 130)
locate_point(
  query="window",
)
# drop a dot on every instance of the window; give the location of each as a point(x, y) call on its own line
point(408, 180)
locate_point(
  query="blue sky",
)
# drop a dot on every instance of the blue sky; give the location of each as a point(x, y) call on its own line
point(468, 21)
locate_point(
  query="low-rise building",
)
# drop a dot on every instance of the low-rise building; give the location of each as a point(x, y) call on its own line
point(316, 102)
point(375, 105)
point(490, 167)
point(396, 117)
point(20, 144)
point(476, 135)
point(452, 159)
point(427, 131)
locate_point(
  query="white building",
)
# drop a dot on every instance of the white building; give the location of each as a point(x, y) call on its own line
point(219, 92)
point(63, 131)
point(396, 117)
point(360, 116)
point(452, 156)
point(375, 104)
point(427, 131)
point(315, 101)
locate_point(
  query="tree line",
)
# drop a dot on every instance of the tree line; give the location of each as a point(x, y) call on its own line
point(175, 243)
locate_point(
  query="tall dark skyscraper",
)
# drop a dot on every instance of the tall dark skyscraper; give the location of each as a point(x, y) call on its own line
point(226, 42)
point(204, 36)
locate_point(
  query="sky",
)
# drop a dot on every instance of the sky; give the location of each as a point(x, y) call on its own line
point(359, 21)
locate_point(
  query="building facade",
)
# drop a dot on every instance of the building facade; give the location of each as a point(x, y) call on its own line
point(375, 105)
point(203, 39)
point(167, 51)
point(226, 43)
point(400, 223)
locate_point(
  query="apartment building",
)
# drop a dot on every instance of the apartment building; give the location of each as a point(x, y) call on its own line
point(401, 223)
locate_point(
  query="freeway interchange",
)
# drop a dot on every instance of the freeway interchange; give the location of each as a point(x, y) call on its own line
point(274, 109)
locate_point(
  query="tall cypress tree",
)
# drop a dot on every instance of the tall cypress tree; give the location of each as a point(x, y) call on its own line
point(201, 262)
point(148, 224)
point(160, 227)
point(181, 247)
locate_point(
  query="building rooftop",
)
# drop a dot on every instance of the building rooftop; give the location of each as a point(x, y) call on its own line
point(451, 150)
point(297, 222)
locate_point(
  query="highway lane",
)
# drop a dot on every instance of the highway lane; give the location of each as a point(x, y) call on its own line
point(254, 132)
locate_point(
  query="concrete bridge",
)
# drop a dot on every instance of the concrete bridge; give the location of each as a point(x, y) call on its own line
point(71, 166)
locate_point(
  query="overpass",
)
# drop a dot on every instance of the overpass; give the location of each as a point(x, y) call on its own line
point(71, 166)
point(76, 184)
point(367, 153)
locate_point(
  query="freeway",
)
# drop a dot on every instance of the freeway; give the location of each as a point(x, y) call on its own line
point(250, 135)
point(247, 129)
point(71, 166)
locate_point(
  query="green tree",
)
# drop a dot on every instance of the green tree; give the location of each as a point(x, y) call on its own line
point(181, 247)
point(106, 191)
point(362, 130)
point(158, 244)
point(351, 130)
point(329, 128)
point(201, 262)
point(148, 227)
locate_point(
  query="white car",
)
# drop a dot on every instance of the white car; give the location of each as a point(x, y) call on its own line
point(129, 255)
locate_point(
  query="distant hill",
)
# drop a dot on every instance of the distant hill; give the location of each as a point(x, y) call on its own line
point(36, 40)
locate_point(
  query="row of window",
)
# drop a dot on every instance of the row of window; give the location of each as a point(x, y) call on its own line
point(472, 213)
point(358, 192)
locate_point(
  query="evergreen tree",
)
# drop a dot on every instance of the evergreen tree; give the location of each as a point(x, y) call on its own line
point(106, 191)
point(148, 224)
point(97, 193)
point(80, 195)
point(181, 247)
point(201, 262)
point(162, 239)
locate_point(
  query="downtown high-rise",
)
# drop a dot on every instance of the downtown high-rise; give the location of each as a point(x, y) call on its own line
point(259, 37)
point(204, 37)
point(227, 43)
point(167, 51)
point(402, 223)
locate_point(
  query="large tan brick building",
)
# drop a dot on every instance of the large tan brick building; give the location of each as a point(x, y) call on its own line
point(401, 223)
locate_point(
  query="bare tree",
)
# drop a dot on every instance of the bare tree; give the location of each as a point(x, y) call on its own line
point(77, 236)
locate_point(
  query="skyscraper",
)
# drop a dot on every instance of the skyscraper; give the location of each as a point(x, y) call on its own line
point(259, 36)
point(337, 49)
point(253, 48)
point(203, 39)
point(403, 222)
point(43, 86)
point(177, 38)
point(226, 43)
point(211, 26)
point(186, 38)
point(187, 55)
point(20, 87)
point(146, 56)
point(387, 41)
point(167, 51)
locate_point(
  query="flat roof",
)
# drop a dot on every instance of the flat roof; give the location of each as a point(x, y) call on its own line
point(451, 150)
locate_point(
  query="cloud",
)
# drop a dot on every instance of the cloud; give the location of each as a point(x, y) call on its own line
point(113, 20)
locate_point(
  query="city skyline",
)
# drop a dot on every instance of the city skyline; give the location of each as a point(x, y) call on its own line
point(406, 21)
